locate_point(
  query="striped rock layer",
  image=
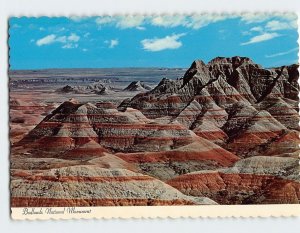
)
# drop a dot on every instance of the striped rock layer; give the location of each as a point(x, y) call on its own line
point(225, 133)
point(228, 101)
point(257, 180)
point(92, 186)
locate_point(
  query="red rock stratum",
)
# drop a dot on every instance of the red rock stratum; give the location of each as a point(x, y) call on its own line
point(227, 132)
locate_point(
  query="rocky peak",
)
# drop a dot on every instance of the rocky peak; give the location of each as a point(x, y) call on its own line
point(73, 101)
point(67, 107)
point(104, 91)
point(293, 72)
point(197, 66)
point(165, 81)
point(137, 86)
point(66, 89)
point(235, 61)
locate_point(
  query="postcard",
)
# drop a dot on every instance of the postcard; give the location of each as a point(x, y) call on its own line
point(154, 115)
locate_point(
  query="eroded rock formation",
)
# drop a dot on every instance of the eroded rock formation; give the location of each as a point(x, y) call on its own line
point(229, 101)
point(137, 86)
point(227, 132)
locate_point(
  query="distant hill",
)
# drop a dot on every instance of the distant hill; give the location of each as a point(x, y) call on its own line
point(137, 86)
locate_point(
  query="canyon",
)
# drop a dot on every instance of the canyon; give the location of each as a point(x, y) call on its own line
point(225, 132)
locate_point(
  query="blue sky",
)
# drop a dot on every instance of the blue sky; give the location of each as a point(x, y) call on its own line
point(151, 41)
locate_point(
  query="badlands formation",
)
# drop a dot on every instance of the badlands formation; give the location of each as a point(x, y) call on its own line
point(138, 86)
point(224, 133)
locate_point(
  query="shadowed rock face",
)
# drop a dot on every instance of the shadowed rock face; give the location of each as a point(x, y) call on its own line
point(77, 131)
point(130, 131)
point(137, 86)
point(224, 133)
point(230, 101)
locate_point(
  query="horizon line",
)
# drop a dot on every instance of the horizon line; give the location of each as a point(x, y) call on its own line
point(95, 68)
point(129, 67)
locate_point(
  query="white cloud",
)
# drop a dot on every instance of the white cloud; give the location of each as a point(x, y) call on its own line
point(284, 21)
point(141, 28)
point(257, 29)
point(254, 17)
point(84, 50)
point(246, 33)
point(267, 31)
point(104, 20)
point(287, 16)
point(249, 18)
point(61, 29)
point(70, 46)
point(202, 20)
point(123, 22)
point(61, 39)
point(16, 26)
point(77, 18)
point(67, 41)
point(136, 21)
point(73, 37)
point(46, 40)
point(253, 29)
point(158, 44)
point(193, 21)
point(276, 25)
point(223, 34)
point(263, 37)
point(282, 53)
point(130, 21)
point(112, 43)
point(86, 35)
point(169, 20)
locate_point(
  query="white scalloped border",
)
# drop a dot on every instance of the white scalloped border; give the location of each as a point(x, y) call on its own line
point(137, 212)
point(125, 212)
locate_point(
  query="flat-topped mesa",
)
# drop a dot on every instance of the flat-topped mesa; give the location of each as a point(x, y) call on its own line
point(93, 88)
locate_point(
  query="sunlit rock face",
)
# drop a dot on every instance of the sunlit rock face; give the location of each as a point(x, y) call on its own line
point(226, 132)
